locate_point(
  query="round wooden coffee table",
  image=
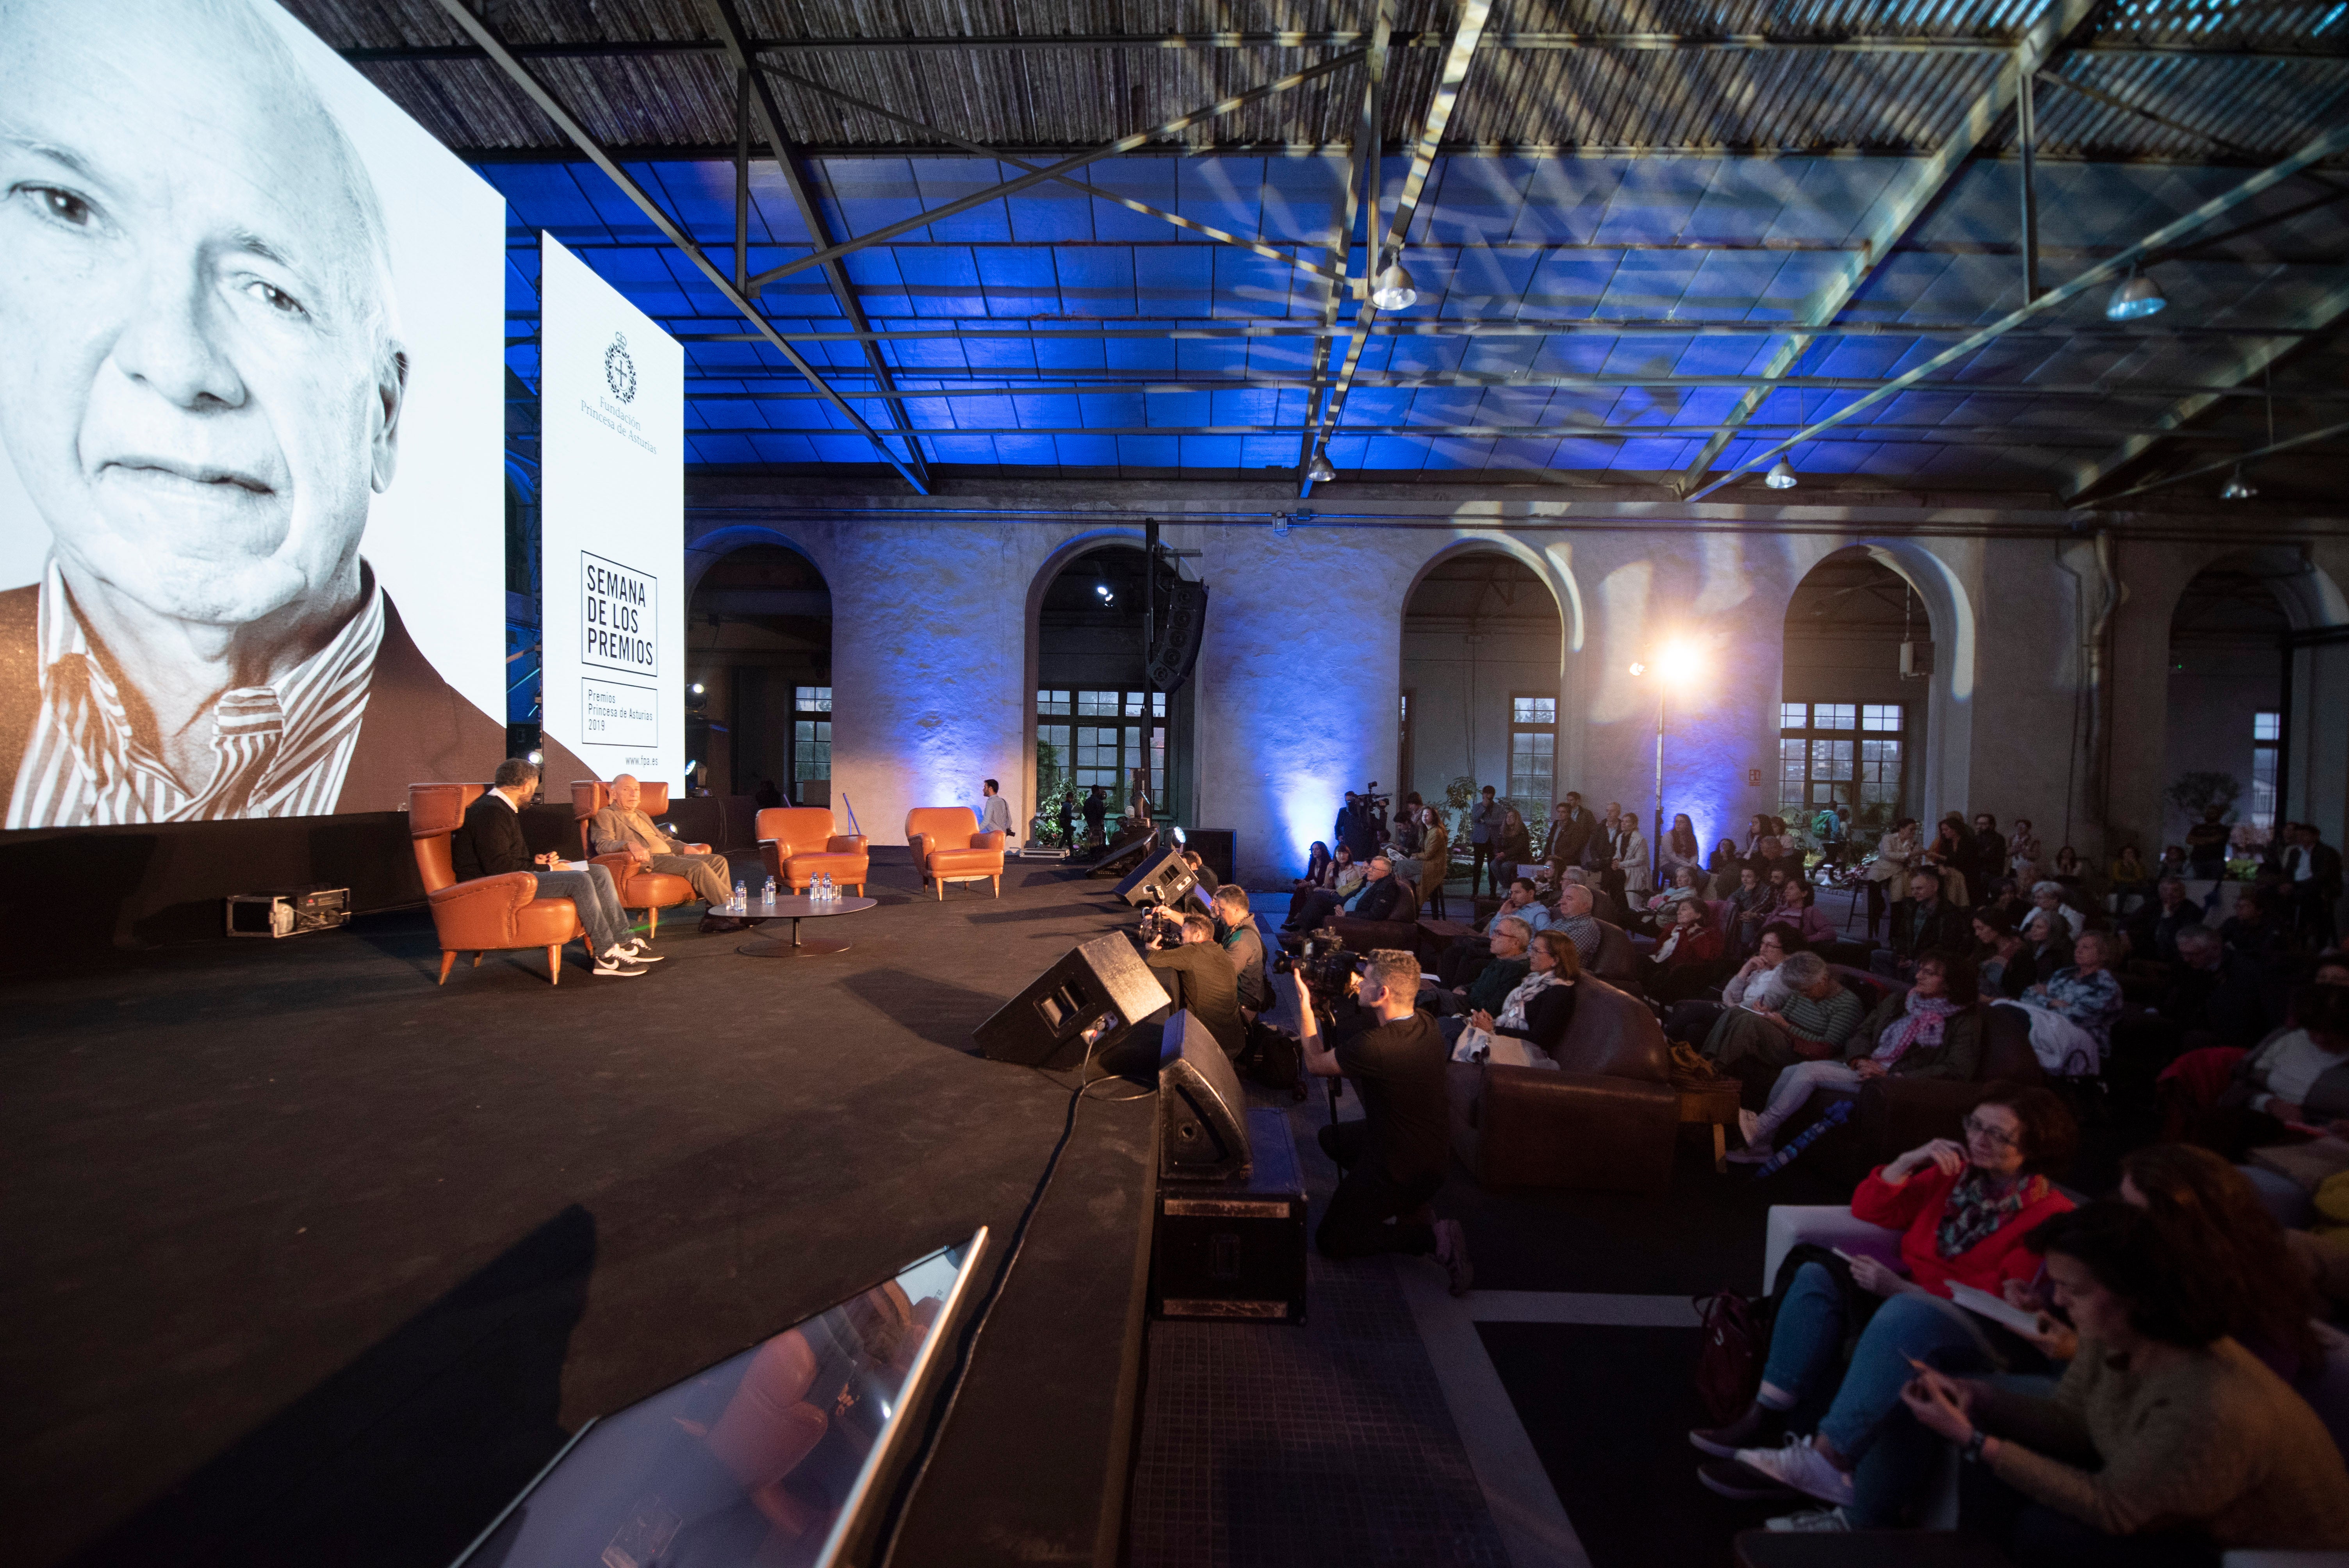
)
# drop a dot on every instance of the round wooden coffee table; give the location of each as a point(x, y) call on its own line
point(796, 910)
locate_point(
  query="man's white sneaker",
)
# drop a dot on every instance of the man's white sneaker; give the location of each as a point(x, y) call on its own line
point(618, 962)
point(1796, 1464)
point(1810, 1522)
point(637, 952)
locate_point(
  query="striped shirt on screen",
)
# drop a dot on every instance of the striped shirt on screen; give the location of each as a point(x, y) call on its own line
point(280, 751)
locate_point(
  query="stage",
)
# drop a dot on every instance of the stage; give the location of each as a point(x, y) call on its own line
point(315, 1262)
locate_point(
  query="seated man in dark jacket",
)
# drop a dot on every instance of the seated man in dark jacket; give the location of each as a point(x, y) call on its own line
point(1511, 936)
point(2153, 929)
point(1921, 923)
point(1199, 980)
point(1379, 898)
point(490, 843)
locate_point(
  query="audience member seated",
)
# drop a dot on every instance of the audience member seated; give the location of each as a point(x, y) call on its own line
point(1755, 983)
point(1687, 960)
point(2023, 847)
point(1515, 847)
point(1602, 906)
point(1798, 906)
point(1963, 1210)
point(2294, 1080)
point(2001, 958)
point(1504, 967)
point(2130, 878)
point(1724, 866)
point(1395, 1156)
point(1754, 1045)
point(2254, 929)
point(1682, 886)
point(1378, 896)
point(1244, 944)
point(1750, 903)
point(2166, 1441)
point(1680, 848)
point(1200, 979)
point(2070, 873)
point(1933, 1030)
point(2072, 1011)
point(1536, 1010)
point(1576, 918)
point(1467, 955)
point(2153, 934)
point(1950, 852)
point(2051, 896)
point(1409, 830)
point(2212, 996)
point(1924, 921)
point(1321, 870)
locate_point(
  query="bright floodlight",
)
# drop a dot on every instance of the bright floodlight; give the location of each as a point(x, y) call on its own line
point(1393, 289)
point(1319, 470)
point(1638, 669)
point(2135, 299)
point(2238, 488)
point(1677, 662)
point(537, 757)
point(1781, 475)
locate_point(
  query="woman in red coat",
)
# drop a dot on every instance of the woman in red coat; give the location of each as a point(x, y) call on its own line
point(1684, 961)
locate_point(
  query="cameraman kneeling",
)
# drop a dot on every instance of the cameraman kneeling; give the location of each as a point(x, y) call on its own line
point(1198, 976)
point(1395, 1157)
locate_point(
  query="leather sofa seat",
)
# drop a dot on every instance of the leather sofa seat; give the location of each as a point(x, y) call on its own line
point(949, 847)
point(798, 844)
point(1607, 1119)
point(487, 915)
point(649, 890)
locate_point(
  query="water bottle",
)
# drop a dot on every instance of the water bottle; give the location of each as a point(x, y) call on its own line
point(741, 895)
point(824, 884)
point(769, 897)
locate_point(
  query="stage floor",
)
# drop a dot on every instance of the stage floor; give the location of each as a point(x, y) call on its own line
point(314, 1262)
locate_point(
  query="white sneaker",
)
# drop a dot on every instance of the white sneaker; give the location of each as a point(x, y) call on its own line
point(1748, 1120)
point(1810, 1522)
point(1796, 1464)
point(618, 962)
point(637, 952)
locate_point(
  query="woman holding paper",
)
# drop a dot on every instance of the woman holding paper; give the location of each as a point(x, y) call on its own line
point(1536, 1011)
point(1963, 1211)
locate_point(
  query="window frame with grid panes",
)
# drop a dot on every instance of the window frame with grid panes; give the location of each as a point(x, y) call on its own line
point(2267, 749)
point(1533, 753)
point(1850, 754)
point(810, 736)
point(1100, 732)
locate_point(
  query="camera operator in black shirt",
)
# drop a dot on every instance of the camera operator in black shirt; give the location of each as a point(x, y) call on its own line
point(1395, 1157)
point(1199, 975)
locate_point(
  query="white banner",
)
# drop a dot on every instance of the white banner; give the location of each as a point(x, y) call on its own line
point(612, 455)
point(252, 426)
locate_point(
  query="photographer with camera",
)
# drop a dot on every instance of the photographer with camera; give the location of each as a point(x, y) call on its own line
point(1198, 977)
point(1395, 1157)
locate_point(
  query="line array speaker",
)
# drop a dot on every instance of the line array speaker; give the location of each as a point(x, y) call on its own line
point(1181, 625)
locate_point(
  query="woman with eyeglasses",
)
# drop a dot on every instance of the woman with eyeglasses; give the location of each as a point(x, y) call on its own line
point(1963, 1210)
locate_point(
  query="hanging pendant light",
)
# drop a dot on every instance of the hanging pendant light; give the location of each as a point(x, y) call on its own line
point(1781, 475)
point(1393, 288)
point(2135, 299)
point(2237, 487)
point(1319, 470)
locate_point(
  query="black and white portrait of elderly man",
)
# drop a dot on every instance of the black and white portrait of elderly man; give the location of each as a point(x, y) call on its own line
point(201, 391)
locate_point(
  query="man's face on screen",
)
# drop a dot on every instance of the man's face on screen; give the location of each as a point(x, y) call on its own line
point(201, 388)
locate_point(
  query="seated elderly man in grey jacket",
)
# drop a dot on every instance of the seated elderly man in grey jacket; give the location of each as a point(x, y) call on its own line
point(622, 828)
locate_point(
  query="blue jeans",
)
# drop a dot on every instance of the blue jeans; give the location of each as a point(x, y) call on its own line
point(598, 902)
point(1806, 1343)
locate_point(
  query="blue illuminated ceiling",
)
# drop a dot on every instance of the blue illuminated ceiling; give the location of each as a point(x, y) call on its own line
point(1608, 250)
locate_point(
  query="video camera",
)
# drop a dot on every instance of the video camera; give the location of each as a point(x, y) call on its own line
point(1328, 968)
point(1161, 926)
point(1371, 793)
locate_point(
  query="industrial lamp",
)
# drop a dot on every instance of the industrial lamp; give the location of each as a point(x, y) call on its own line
point(1319, 470)
point(1393, 288)
point(1781, 475)
point(2237, 487)
point(2135, 299)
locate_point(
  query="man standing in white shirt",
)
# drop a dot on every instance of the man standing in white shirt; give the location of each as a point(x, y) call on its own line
point(995, 811)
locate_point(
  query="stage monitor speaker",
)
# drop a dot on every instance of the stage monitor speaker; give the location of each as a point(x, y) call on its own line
point(1123, 855)
point(1203, 1132)
point(1182, 621)
point(1164, 878)
point(1085, 1003)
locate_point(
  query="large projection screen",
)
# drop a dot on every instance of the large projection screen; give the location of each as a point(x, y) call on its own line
point(612, 488)
point(251, 481)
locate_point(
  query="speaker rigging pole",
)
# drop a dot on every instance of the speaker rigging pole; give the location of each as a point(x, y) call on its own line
point(1148, 641)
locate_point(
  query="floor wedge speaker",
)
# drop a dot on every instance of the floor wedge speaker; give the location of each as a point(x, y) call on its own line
point(1132, 847)
point(1203, 1133)
point(1163, 878)
point(1086, 1002)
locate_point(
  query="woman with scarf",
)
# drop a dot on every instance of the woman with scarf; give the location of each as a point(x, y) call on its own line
point(1964, 1210)
point(1931, 1030)
point(2072, 1011)
point(1684, 961)
point(1539, 1007)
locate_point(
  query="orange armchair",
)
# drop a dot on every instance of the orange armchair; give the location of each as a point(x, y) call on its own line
point(649, 890)
point(949, 847)
point(798, 844)
point(488, 914)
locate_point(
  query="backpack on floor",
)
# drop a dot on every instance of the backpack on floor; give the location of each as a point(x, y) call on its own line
point(1275, 1059)
point(1729, 1366)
